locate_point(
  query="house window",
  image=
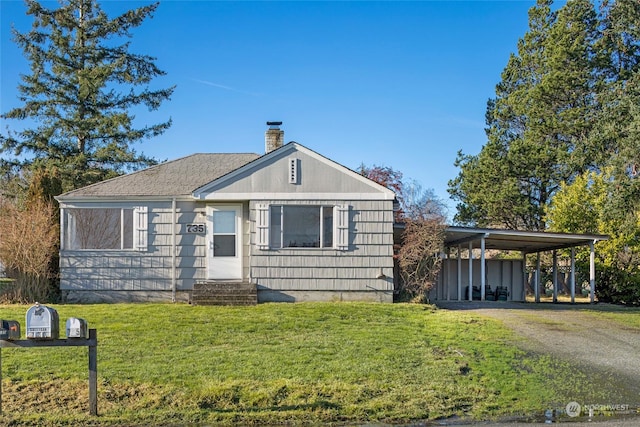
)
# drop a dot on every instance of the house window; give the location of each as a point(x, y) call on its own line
point(104, 228)
point(224, 233)
point(301, 227)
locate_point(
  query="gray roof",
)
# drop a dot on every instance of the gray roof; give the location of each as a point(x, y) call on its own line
point(178, 177)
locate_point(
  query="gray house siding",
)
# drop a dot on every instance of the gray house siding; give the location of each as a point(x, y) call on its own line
point(313, 177)
point(103, 275)
point(316, 177)
point(109, 275)
point(330, 274)
point(170, 261)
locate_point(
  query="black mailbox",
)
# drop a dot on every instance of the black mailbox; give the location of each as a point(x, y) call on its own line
point(9, 330)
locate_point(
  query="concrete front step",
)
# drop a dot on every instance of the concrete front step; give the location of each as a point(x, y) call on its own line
point(224, 293)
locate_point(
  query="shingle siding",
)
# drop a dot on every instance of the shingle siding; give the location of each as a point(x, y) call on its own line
point(200, 180)
point(357, 269)
point(150, 270)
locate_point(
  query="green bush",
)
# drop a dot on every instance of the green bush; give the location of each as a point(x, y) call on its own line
point(617, 286)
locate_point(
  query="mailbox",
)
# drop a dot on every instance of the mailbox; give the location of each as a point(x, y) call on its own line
point(9, 330)
point(42, 323)
point(77, 328)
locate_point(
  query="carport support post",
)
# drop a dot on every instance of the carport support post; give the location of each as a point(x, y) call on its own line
point(459, 273)
point(592, 272)
point(470, 288)
point(572, 280)
point(525, 276)
point(537, 287)
point(554, 271)
point(482, 270)
point(447, 274)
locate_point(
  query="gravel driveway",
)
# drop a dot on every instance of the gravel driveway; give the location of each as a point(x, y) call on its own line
point(600, 348)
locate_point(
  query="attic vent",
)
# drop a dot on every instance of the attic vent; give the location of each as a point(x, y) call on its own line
point(293, 171)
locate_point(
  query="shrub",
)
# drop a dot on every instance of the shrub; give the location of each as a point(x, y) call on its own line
point(617, 286)
point(28, 246)
point(419, 256)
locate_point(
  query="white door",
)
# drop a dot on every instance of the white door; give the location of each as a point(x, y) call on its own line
point(224, 242)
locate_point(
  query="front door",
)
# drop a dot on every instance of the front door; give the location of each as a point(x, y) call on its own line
point(224, 242)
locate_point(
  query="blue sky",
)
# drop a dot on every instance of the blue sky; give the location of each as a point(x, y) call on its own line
point(399, 84)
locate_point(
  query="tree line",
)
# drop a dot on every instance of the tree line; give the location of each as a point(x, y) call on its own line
point(563, 137)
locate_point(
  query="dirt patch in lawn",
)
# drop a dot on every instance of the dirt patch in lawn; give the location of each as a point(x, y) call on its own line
point(606, 351)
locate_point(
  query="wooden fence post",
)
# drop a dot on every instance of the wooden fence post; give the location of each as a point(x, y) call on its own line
point(91, 343)
point(93, 372)
point(0, 380)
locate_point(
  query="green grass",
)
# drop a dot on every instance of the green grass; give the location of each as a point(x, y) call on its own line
point(281, 363)
point(626, 316)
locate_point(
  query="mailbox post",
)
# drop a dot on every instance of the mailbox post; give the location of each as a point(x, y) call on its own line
point(91, 342)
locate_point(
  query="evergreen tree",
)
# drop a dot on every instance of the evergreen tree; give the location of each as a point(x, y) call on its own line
point(538, 124)
point(79, 93)
point(618, 130)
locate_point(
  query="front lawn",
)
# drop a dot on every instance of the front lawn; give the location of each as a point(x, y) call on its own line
point(277, 363)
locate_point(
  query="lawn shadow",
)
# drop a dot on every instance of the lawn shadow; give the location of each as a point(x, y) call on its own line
point(314, 406)
point(516, 305)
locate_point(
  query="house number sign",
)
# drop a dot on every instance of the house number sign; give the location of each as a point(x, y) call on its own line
point(196, 228)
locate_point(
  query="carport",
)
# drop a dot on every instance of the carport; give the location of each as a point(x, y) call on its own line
point(453, 285)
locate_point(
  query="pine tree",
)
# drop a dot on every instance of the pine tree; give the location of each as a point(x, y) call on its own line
point(79, 92)
point(536, 128)
point(618, 130)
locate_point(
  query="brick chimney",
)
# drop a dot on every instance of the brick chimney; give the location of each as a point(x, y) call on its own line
point(273, 137)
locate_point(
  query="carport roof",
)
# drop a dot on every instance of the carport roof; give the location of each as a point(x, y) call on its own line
point(513, 240)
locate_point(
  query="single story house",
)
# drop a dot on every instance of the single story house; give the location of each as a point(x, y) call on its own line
point(291, 223)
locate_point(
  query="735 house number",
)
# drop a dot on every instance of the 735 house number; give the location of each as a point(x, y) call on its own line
point(196, 228)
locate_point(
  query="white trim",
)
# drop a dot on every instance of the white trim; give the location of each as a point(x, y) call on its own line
point(122, 229)
point(536, 291)
point(140, 228)
point(459, 273)
point(174, 248)
point(69, 201)
point(525, 276)
point(447, 276)
point(483, 272)
point(470, 288)
point(554, 274)
point(62, 230)
point(488, 232)
point(231, 267)
point(262, 226)
point(131, 204)
point(592, 272)
point(70, 232)
point(573, 275)
point(341, 227)
point(296, 196)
